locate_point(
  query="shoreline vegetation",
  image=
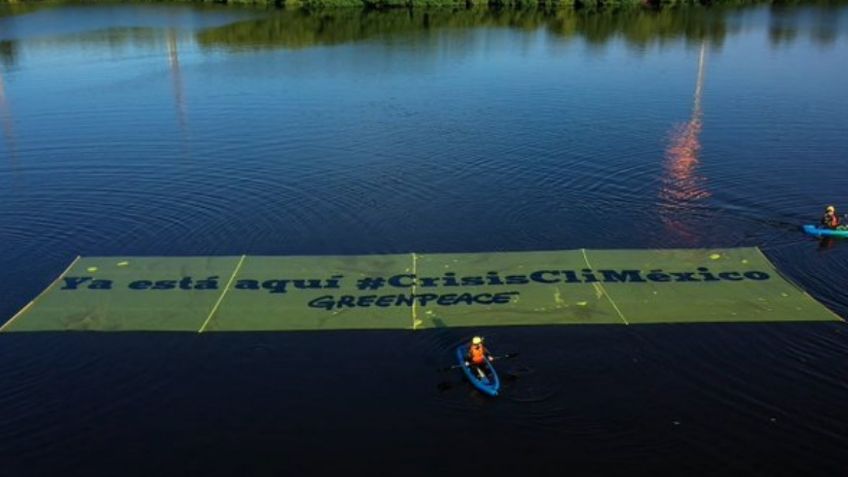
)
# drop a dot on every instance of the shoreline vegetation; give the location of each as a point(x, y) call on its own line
point(294, 28)
point(21, 6)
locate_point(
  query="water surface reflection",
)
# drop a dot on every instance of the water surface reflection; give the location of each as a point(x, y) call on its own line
point(6, 119)
point(177, 82)
point(682, 185)
point(247, 29)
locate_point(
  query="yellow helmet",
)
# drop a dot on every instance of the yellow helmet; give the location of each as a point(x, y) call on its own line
point(476, 340)
point(830, 208)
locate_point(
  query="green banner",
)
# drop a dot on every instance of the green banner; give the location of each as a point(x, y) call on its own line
point(415, 291)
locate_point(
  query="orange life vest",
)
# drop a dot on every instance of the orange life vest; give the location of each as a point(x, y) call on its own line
point(477, 353)
point(830, 221)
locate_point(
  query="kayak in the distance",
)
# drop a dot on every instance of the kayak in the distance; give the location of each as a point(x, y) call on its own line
point(816, 231)
point(830, 225)
point(484, 377)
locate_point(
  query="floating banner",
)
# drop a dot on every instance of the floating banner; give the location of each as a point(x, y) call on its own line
point(413, 291)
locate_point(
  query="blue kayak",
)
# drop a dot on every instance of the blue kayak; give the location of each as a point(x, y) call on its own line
point(821, 232)
point(490, 384)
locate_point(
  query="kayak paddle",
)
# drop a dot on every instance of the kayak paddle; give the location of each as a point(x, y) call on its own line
point(456, 366)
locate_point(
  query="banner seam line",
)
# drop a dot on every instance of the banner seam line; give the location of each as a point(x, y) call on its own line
point(26, 307)
point(604, 290)
point(223, 294)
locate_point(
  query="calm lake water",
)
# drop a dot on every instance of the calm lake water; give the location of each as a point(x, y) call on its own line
point(178, 130)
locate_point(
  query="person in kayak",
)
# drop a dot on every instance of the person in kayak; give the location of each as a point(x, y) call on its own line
point(830, 220)
point(477, 356)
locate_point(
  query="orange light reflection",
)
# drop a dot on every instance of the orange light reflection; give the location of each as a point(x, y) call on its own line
point(682, 186)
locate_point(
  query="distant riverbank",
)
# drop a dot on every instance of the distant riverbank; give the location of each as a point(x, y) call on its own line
point(269, 28)
point(571, 4)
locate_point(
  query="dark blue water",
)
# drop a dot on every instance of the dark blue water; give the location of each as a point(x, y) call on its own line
point(172, 130)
